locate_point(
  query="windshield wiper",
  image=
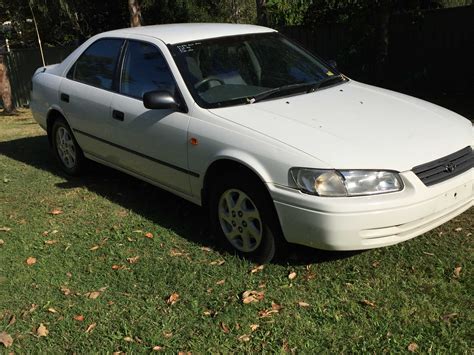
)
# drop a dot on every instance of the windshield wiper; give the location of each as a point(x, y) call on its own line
point(326, 81)
point(264, 94)
point(311, 87)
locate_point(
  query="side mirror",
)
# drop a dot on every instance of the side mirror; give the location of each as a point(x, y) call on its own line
point(160, 100)
point(332, 63)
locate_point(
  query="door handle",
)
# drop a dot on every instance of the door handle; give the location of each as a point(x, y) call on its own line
point(64, 97)
point(118, 115)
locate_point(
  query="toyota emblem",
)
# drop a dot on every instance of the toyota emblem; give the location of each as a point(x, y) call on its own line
point(450, 167)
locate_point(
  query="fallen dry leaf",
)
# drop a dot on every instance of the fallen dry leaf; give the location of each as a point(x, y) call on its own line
point(292, 275)
point(457, 272)
point(376, 263)
point(257, 269)
point(55, 212)
point(252, 296)
point(220, 282)
point(412, 347)
point(206, 249)
point(5, 229)
point(52, 310)
point(118, 267)
point(276, 306)
point(6, 339)
point(218, 262)
point(244, 338)
point(254, 327)
point(12, 320)
point(157, 348)
point(66, 291)
point(79, 318)
point(91, 327)
point(458, 229)
point(268, 312)
point(30, 261)
point(50, 242)
point(167, 334)
point(133, 260)
point(224, 328)
point(175, 252)
point(93, 295)
point(42, 331)
point(303, 304)
point(2, 242)
point(368, 303)
point(173, 298)
point(449, 316)
point(128, 339)
point(95, 247)
point(149, 235)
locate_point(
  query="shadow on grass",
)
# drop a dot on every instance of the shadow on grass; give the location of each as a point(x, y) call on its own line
point(159, 206)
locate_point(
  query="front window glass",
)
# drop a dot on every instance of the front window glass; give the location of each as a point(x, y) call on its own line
point(232, 70)
point(96, 66)
point(145, 69)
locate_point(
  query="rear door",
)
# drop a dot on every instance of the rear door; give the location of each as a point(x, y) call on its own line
point(87, 92)
point(153, 142)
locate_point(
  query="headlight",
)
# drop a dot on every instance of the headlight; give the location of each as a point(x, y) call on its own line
point(346, 182)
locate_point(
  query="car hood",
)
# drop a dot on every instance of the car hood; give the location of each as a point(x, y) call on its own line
point(357, 126)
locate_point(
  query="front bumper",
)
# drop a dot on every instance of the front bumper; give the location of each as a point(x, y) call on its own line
point(354, 223)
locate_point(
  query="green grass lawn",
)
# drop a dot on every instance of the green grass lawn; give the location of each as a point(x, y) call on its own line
point(99, 284)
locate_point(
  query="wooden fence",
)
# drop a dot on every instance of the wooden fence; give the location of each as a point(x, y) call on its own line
point(22, 63)
point(428, 51)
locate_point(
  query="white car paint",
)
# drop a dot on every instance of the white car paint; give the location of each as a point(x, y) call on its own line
point(348, 126)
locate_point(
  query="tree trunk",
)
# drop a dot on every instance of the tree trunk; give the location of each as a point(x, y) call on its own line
point(135, 13)
point(262, 15)
point(5, 88)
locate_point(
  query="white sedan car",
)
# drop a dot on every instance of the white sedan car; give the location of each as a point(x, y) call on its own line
point(274, 142)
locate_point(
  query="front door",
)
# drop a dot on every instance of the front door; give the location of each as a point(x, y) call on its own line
point(153, 143)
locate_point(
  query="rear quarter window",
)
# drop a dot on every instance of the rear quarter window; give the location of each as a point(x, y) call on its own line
point(97, 65)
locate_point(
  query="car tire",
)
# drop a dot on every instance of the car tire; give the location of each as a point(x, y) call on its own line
point(67, 151)
point(243, 218)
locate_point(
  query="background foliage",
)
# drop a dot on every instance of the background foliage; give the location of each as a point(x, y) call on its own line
point(66, 22)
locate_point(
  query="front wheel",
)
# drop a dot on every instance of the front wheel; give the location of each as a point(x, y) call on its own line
point(67, 151)
point(243, 218)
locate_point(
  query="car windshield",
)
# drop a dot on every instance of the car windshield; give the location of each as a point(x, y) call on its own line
point(244, 69)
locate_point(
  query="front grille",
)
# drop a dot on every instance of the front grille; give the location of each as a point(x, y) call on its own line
point(445, 168)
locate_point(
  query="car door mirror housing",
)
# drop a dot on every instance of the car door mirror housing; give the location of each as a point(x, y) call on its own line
point(160, 100)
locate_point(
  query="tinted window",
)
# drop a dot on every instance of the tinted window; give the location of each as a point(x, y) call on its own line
point(145, 69)
point(97, 64)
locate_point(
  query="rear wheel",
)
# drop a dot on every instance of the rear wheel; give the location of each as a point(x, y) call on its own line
point(67, 151)
point(243, 218)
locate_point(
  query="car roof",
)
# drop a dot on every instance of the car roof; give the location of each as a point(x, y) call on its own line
point(188, 32)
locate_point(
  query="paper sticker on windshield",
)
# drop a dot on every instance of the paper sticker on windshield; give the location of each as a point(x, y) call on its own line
point(188, 47)
point(329, 73)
